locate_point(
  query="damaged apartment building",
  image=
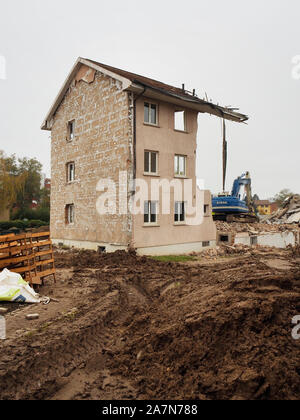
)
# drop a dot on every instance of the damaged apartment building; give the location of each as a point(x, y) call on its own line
point(106, 121)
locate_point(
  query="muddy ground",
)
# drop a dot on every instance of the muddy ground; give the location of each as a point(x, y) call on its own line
point(128, 327)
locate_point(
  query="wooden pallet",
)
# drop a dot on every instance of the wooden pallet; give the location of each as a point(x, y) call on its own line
point(30, 255)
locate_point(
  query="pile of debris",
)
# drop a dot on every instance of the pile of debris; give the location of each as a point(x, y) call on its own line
point(290, 213)
point(253, 228)
point(225, 250)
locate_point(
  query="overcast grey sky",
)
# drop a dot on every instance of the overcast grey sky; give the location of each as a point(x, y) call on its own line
point(240, 53)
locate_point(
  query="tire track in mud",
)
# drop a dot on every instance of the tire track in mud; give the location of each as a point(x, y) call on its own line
point(32, 371)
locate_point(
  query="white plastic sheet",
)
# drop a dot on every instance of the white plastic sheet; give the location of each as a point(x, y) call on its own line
point(14, 289)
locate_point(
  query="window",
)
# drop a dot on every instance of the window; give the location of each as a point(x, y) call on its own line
point(253, 240)
point(179, 212)
point(151, 162)
point(70, 172)
point(150, 113)
point(71, 130)
point(206, 244)
point(150, 212)
point(70, 214)
point(206, 209)
point(180, 120)
point(180, 165)
point(224, 238)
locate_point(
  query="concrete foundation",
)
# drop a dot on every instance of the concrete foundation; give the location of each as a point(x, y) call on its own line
point(276, 239)
point(92, 246)
point(178, 249)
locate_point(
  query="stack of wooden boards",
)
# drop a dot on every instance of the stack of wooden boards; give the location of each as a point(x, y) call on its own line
point(29, 254)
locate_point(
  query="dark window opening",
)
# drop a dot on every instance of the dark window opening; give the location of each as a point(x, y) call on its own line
point(69, 214)
point(71, 130)
point(179, 215)
point(150, 113)
point(70, 172)
point(253, 240)
point(101, 249)
point(151, 162)
point(150, 212)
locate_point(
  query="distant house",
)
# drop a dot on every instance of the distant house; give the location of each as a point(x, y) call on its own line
point(47, 183)
point(110, 124)
point(265, 207)
point(33, 205)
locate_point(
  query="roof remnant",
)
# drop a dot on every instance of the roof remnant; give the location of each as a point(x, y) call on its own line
point(149, 88)
point(290, 213)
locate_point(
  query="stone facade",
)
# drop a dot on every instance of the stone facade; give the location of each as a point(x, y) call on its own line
point(101, 148)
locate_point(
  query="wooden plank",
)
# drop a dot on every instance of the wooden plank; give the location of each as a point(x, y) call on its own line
point(9, 238)
point(11, 235)
point(40, 234)
point(42, 253)
point(41, 244)
point(17, 260)
point(47, 273)
point(23, 269)
point(36, 280)
point(45, 262)
point(11, 244)
point(17, 249)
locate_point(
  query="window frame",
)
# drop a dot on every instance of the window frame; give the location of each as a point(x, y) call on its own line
point(70, 211)
point(71, 131)
point(149, 214)
point(184, 121)
point(149, 113)
point(69, 180)
point(178, 175)
point(182, 206)
point(149, 172)
point(206, 209)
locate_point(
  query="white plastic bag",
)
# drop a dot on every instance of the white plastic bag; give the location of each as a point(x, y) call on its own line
point(14, 289)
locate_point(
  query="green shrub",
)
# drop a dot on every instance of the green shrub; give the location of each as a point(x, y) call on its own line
point(22, 225)
point(42, 214)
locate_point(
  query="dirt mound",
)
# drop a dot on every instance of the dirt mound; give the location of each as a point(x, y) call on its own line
point(231, 343)
point(144, 329)
point(91, 259)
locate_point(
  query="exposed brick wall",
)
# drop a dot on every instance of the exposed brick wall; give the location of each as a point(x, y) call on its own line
point(102, 147)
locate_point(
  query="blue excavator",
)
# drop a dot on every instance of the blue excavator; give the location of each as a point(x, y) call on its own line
point(234, 207)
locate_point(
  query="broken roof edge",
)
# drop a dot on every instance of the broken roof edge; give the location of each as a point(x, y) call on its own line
point(132, 83)
point(191, 103)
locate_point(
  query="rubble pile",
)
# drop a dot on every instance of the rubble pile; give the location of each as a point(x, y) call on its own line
point(253, 228)
point(290, 213)
point(225, 250)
